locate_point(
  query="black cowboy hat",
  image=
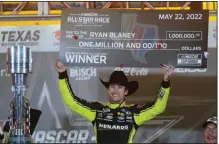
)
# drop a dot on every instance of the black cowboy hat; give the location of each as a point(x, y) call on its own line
point(119, 77)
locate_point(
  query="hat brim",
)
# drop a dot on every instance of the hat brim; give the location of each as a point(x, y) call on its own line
point(206, 123)
point(132, 86)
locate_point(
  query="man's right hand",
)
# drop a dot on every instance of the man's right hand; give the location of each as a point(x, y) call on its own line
point(60, 66)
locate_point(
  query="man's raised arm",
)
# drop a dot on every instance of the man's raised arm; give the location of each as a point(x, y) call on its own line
point(82, 107)
point(143, 113)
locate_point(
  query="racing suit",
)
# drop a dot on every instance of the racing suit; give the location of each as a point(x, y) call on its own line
point(113, 123)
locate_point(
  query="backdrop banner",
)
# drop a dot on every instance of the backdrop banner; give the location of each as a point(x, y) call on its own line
point(192, 100)
point(212, 34)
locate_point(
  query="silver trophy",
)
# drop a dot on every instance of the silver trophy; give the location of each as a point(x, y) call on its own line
point(19, 64)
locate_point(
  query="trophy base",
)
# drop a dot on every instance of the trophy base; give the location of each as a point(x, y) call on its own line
point(20, 140)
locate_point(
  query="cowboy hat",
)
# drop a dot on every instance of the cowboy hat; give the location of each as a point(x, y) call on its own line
point(119, 77)
point(210, 120)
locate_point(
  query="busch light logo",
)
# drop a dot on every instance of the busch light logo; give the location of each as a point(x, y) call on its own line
point(83, 73)
point(144, 34)
point(214, 33)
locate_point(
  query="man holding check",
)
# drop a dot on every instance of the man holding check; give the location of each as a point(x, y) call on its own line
point(115, 121)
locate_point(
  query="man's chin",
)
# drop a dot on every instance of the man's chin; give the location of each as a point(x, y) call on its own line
point(115, 100)
point(211, 141)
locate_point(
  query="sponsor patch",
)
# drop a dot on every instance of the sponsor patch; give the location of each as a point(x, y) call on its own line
point(161, 93)
point(113, 127)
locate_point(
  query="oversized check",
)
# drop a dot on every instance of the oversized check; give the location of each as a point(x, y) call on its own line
point(134, 38)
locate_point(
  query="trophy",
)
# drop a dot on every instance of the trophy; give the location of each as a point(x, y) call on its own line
point(19, 64)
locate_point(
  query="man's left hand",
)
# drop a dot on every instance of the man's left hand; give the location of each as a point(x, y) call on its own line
point(168, 71)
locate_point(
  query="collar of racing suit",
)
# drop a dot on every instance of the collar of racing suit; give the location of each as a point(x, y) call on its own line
point(114, 106)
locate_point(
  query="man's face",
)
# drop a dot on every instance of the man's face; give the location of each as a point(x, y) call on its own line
point(210, 133)
point(117, 93)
